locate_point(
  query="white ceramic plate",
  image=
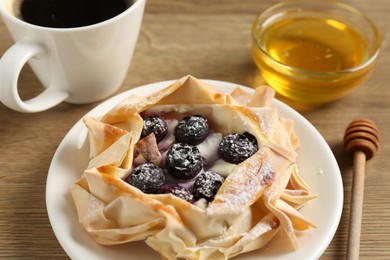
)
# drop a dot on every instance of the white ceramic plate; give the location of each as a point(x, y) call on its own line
point(317, 166)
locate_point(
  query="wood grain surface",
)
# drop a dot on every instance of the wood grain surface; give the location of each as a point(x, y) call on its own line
point(208, 39)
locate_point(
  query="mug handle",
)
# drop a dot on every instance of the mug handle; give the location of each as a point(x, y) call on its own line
point(11, 65)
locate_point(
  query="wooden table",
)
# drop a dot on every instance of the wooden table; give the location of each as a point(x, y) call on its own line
point(208, 39)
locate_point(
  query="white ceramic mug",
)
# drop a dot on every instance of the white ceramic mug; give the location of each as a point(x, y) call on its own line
point(76, 65)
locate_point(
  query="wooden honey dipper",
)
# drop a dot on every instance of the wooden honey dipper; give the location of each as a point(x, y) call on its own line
point(361, 140)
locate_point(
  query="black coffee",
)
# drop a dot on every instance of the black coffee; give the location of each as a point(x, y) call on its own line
point(70, 13)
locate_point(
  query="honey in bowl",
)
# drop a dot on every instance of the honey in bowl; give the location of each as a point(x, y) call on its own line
point(314, 52)
point(309, 43)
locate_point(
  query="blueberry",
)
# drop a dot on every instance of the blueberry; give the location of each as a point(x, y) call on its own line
point(236, 148)
point(192, 130)
point(156, 125)
point(183, 161)
point(147, 177)
point(178, 192)
point(207, 185)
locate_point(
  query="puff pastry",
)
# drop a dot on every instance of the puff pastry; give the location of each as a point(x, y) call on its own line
point(259, 197)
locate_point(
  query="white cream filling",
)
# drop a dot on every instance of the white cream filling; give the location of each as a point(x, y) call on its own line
point(209, 148)
point(223, 168)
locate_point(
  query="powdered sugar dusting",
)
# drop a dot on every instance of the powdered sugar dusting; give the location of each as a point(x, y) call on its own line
point(246, 183)
point(93, 207)
point(268, 223)
point(264, 122)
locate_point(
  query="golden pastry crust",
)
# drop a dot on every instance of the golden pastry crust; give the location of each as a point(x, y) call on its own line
point(260, 196)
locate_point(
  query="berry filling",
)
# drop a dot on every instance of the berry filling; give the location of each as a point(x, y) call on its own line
point(155, 125)
point(183, 161)
point(178, 192)
point(193, 160)
point(192, 130)
point(236, 148)
point(207, 185)
point(147, 177)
